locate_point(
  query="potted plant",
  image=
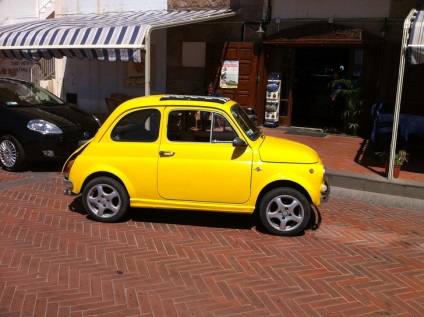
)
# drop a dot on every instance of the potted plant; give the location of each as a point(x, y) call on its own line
point(351, 91)
point(400, 158)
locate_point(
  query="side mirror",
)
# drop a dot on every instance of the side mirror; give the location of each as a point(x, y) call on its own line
point(239, 142)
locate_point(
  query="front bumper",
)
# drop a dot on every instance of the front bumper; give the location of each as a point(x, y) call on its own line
point(54, 147)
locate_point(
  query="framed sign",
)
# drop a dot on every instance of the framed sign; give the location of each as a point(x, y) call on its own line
point(229, 74)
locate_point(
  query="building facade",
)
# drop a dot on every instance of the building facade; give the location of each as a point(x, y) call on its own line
point(303, 41)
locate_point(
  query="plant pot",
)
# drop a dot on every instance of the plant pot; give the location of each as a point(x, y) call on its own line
point(396, 170)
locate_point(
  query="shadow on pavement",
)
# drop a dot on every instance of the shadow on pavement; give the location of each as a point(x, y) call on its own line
point(45, 167)
point(183, 217)
point(180, 217)
point(197, 218)
point(366, 157)
point(194, 218)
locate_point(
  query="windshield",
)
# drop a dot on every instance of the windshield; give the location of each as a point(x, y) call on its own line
point(19, 93)
point(248, 126)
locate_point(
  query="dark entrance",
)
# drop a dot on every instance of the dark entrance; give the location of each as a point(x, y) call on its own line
point(312, 74)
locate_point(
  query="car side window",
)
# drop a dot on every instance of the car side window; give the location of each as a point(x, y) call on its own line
point(199, 126)
point(8, 96)
point(138, 126)
point(222, 131)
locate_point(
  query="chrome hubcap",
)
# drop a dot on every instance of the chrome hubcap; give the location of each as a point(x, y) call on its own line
point(285, 213)
point(8, 153)
point(104, 201)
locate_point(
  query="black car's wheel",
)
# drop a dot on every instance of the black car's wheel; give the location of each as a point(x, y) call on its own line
point(12, 154)
point(105, 199)
point(284, 211)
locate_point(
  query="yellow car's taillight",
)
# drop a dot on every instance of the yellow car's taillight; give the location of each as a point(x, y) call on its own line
point(67, 168)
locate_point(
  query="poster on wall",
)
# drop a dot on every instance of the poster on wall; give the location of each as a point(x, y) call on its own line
point(136, 76)
point(18, 69)
point(229, 74)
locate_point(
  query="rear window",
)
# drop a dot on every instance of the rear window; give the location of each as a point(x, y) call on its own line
point(138, 126)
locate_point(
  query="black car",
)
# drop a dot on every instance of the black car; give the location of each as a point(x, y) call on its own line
point(37, 126)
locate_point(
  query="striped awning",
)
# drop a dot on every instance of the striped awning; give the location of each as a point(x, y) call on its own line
point(416, 39)
point(105, 37)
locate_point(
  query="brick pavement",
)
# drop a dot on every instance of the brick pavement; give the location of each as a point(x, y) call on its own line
point(365, 259)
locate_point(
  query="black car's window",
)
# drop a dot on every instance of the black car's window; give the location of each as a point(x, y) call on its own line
point(199, 126)
point(8, 96)
point(19, 93)
point(141, 125)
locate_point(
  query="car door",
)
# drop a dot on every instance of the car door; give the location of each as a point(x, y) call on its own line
point(198, 161)
point(131, 151)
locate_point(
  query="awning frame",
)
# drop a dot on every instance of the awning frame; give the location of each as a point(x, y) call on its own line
point(403, 52)
point(147, 41)
point(149, 28)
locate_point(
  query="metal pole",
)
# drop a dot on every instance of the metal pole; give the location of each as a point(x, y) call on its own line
point(147, 67)
point(403, 51)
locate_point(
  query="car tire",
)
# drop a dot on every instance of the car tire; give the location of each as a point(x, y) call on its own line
point(284, 211)
point(12, 154)
point(105, 199)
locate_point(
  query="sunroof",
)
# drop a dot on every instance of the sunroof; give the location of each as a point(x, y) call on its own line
point(221, 100)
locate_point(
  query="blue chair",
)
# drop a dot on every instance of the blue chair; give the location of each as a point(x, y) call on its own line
point(382, 131)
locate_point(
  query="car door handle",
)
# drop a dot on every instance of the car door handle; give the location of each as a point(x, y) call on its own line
point(166, 153)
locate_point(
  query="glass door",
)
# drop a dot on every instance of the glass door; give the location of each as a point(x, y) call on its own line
point(286, 100)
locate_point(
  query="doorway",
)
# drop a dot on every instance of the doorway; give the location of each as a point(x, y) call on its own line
point(312, 73)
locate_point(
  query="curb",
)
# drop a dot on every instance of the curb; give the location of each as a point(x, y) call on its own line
point(375, 184)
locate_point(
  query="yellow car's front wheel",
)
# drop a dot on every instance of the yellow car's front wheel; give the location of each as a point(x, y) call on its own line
point(285, 211)
point(105, 199)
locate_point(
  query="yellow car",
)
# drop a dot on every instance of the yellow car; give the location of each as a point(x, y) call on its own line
point(195, 153)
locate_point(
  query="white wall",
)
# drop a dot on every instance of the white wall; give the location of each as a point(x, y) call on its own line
point(311, 9)
point(12, 12)
point(92, 81)
point(15, 11)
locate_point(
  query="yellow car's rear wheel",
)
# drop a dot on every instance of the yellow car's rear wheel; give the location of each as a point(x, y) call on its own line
point(105, 199)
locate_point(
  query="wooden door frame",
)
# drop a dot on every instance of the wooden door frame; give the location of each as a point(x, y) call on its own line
point(250, 91)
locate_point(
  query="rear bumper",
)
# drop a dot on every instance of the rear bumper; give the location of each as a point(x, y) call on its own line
point(68, 187)
point(325, 191)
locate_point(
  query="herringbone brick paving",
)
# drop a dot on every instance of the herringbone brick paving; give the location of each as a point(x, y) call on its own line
point(364, 260)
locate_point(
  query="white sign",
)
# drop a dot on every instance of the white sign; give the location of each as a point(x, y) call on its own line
point(229, 74)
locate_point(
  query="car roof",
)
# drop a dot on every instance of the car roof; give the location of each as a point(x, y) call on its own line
point(177, 100)
point(15, 80)
point(220, 100)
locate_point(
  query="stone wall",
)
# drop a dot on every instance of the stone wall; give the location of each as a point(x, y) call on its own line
point(252, 10)
point(198, 4)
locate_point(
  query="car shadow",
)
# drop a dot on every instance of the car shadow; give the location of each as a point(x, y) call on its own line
point(197, 218)
point(77, 206)
point(53, 167)
point(194, 218)
point(180, 217)
point(45, 167)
